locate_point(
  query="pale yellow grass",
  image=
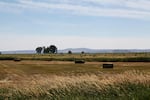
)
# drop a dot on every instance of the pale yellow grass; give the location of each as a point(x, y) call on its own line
point(37, 84)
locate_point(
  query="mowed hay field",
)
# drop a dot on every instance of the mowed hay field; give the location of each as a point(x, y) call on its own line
point(64, 80)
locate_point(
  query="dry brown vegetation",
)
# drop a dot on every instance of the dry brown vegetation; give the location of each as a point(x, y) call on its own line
point(64, 80)
point(57, 86)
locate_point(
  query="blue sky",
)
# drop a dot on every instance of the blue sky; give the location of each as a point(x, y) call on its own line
point(98, 24)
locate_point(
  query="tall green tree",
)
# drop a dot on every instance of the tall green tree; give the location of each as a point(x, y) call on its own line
point(46, 50)
point(39, 50)
point(53, 49)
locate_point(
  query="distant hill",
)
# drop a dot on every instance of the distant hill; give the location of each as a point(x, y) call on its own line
point(79, 50)
point(19, 52)
point(87, 50)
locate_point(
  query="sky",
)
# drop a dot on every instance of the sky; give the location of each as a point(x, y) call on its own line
point(95, 24)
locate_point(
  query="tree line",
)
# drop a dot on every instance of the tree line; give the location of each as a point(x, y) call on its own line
point(50, 49)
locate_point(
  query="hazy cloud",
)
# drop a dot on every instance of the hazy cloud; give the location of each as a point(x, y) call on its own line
point(71, 42)
point(114, 8)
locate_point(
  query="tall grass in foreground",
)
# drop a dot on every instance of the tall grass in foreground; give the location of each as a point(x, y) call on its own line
point(130, 85)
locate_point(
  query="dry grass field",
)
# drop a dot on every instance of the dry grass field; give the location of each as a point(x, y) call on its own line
point(64, 80)
point(100, 57)
point(64, 67)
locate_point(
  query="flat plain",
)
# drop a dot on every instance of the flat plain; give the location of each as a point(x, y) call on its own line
point(38, 77)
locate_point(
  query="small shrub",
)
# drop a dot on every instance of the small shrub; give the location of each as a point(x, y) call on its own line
point(69, 52)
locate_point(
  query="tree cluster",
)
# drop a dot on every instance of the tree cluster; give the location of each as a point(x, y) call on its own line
point(50, 49)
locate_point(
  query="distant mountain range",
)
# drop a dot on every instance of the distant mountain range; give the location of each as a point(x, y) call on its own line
point(79, 50)
point(19, 52)
point(87, 50)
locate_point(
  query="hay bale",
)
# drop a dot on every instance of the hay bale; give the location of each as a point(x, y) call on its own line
point(108, 65)
point(79, 61)
point(17, 59)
